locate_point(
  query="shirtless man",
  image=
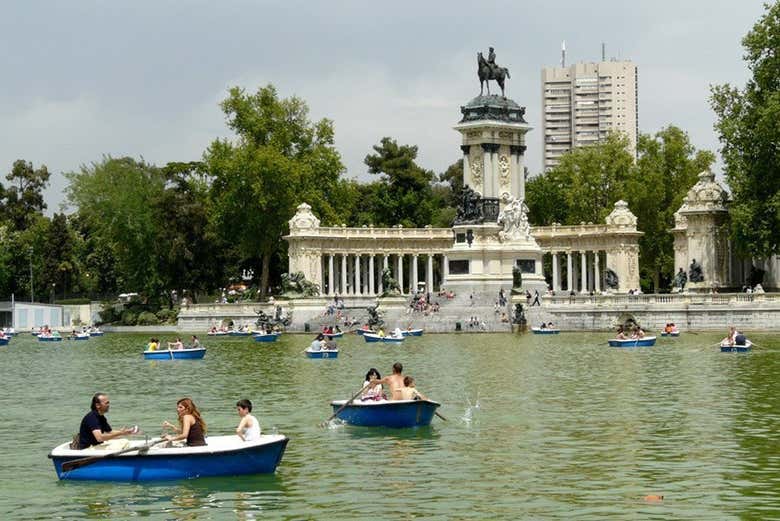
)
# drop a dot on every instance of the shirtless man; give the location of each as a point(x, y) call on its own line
point(395, 382)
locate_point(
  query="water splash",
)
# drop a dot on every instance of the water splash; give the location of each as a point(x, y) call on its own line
point(471, 410)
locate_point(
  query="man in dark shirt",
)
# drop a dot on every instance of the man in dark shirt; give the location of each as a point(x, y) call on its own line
point(94, 426)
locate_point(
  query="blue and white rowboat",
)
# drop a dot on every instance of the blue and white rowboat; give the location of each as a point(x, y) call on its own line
point(545, 331)
point(395, 414)
point(49, 338)
point(240, 333)
point(674, 333)
point(370, 337)
point(97, 332)
point(322, 353)
point(79, 336)
point(413, 332)
point(175, 354)
point(362, 332)
point(218, 333)
point(4, 341)
point(727, 348)
point(223, 456)
point(334, 335)
point(633, 342)
point(266, 337)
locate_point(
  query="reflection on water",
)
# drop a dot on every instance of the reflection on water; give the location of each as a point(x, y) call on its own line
point(537, 428)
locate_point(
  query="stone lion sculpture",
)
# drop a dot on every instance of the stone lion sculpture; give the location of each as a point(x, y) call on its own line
point(389, 284)
point(295, 284)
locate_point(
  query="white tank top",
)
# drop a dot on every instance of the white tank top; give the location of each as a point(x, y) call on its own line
point(252, 433)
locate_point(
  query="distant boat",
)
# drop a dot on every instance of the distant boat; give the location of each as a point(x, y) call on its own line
point(50, 337)
point(673, 333)
point(396, 413)
point(222, 456)
point(9, 332)
point(96, 332)
point(361, 332)
point(725, 347)
point(79, 336)
point(322, 353)
point(4, 341)
point(266, 337)
point(334, 335)
point(175, 354)
point(240, 333)
point(218, 333)
point(370, 337)
point(412, 332)
point(545, 331)
point(633, 342)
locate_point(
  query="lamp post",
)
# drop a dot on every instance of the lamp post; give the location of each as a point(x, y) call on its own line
point(52, 292)
point(32, 292)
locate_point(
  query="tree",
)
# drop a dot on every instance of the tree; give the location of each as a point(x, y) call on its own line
point(405, 196)
point(667, 167)
point(279, 160)
point(747, 124)
point(21, 201)
point(117, 199)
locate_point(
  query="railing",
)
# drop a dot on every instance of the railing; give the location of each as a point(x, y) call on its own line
point(661, 299)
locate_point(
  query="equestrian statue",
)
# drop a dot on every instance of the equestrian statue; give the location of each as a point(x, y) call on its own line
point(488, 70)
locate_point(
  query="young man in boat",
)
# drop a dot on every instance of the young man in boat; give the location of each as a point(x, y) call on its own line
point(94, 428)
point(395, 381)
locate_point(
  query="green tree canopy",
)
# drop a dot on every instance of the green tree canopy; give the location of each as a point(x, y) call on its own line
point(748, 124)
point(23, 199)
point(279, 160)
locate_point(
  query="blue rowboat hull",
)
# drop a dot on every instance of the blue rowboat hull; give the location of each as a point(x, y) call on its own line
point(334, 335)
point(175, 354)
point(4, 341)
point(168, 465)
point(97, 334)
point(538, 331)
point(266, 338)
point(49, 339)
point(633, 342)
point(726, 348)
point(368, 337)
point(671, 334)
point(413, 332)
point(394, 414)
point(361, 331)
point(328, 353)
point(240, 333)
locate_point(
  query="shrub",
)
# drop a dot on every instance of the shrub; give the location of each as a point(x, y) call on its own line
point(147, 318)
point(128, 318)
point(168, 316)
point(108, 314)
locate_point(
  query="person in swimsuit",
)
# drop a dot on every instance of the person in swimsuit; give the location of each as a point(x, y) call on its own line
point(191, 426)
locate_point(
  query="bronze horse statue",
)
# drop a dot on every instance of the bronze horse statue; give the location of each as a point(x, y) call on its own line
point(487, 73)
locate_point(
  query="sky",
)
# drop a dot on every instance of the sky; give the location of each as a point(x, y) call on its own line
point(143, 78)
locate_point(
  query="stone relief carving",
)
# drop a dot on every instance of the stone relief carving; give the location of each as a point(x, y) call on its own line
point(303, 219)
point(514, 219)
point(475, 162)
point(503, 171)
point(621, 216)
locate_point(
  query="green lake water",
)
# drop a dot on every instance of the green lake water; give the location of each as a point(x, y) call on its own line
point(538, 427)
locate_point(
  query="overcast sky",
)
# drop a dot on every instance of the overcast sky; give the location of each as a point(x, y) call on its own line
point(143, 78)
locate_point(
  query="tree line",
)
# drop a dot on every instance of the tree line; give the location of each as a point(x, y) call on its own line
point(197, 226)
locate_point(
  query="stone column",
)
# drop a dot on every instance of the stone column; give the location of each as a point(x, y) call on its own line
point(357, 274)
point(414, 275)
point(569, 271)
point(466, 165)
point(555, 274)
point(584, 271)
point(331, 282)
point(384, 267)
point(429, 275)
point(596, 272)
point(445, 267)
point(487, 169)
point(400, 272)
point(371, 275)
point(343, 274)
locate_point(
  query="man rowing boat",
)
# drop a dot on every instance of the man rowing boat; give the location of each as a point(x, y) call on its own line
point(395, 382)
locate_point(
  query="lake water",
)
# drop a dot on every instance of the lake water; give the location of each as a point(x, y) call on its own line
point(538, 427)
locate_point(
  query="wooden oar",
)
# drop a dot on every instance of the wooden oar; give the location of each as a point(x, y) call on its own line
point(323, 424)
point(78, 463)
point(439, 415)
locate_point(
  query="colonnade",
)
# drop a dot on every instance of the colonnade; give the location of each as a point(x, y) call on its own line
point(583, 270)
point(361, 273)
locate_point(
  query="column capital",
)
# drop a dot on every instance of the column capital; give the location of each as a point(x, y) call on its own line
point(490, 147)
point(465, 149)
point(517, 150)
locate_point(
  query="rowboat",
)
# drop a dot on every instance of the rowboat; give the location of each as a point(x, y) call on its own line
point(371, 337)
point(4, 341)
point(240, 333)
point(396, 413)
point(222, 456)
point(633, 342)
point(218, 333)
point(412, 332)
point(725, 347)
point(79, 336)
point(9, 332)
point(266, 337)
point(96, 332)
point(322, 353)
point(361, 332)
point(545, 331)
point(175, 354)
point(334, 335)
point(49, 338)
point(673, 333)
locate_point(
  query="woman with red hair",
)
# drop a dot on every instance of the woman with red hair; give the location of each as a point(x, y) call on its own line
point(191, 426)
